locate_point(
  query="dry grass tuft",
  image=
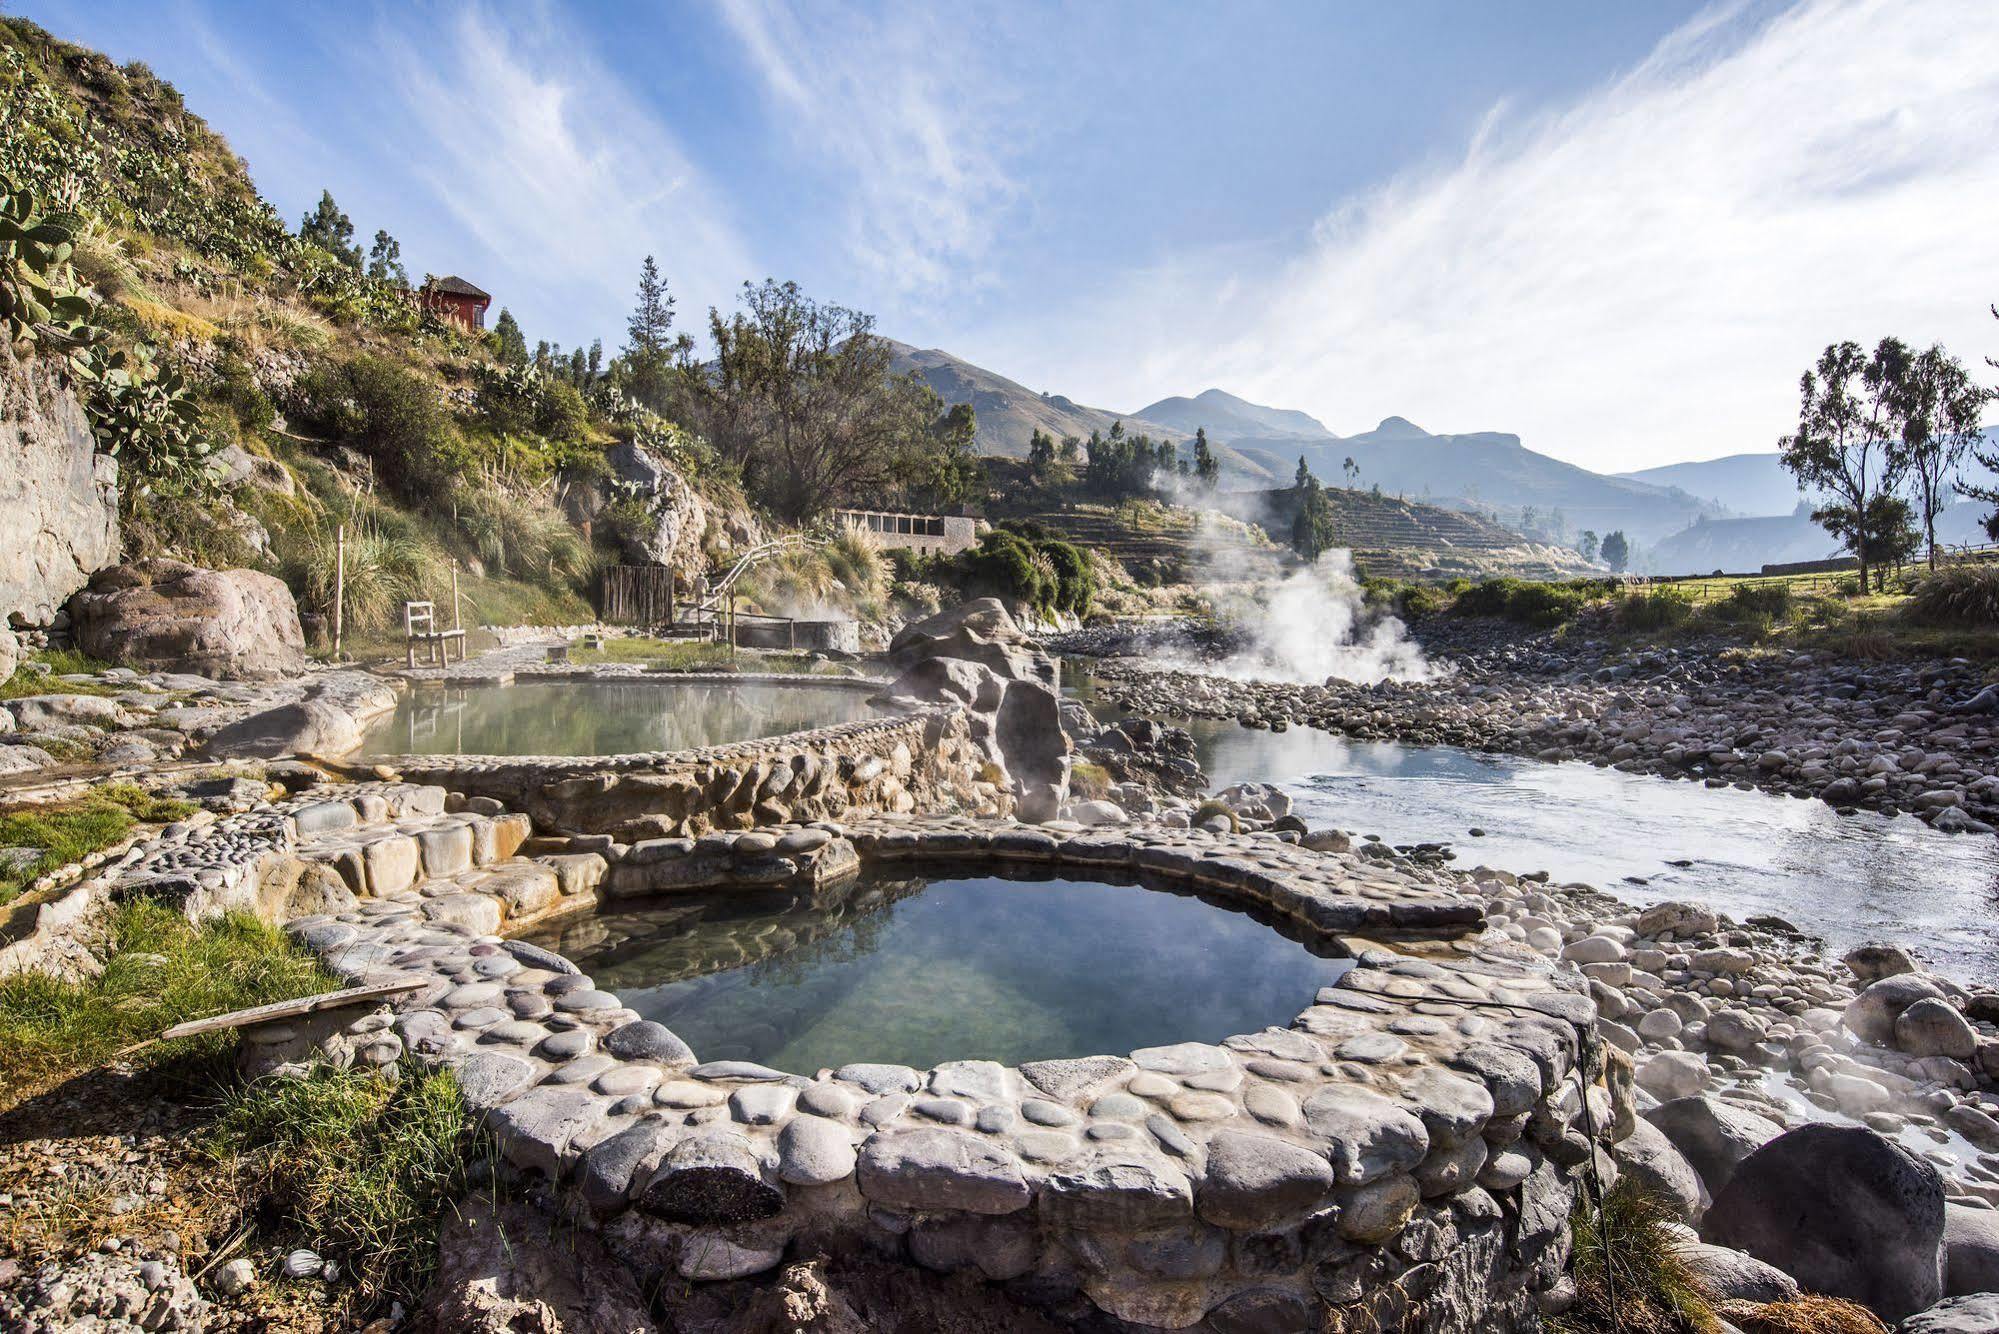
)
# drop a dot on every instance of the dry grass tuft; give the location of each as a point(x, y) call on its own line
point(1805, 1315)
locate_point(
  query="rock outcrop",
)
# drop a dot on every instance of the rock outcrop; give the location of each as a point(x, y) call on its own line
point(236, 625)
point(976, 656)
point(676, 518)
point(58, 495)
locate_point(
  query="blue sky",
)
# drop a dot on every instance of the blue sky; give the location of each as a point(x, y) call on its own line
point(1619, 230)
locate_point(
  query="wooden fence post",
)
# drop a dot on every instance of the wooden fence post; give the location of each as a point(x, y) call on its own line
point(339, 586)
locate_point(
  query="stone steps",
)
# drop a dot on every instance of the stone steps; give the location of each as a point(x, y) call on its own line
point(454, 860)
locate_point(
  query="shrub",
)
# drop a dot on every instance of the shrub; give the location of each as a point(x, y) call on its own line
point(1420, 600)
point(1629, 1276)
point(388, 563)
point(523, 536)
point(1091, 782)
point(1958, 596)
point(1653, 610)
point(1075, 584)
point(1005, 565)
point(1539, 604)
point(1755, 602)
point(393, 415)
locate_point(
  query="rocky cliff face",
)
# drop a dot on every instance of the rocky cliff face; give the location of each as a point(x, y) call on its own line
point(58, 495)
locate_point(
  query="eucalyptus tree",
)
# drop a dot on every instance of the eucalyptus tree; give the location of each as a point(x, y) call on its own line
point(1848, 443)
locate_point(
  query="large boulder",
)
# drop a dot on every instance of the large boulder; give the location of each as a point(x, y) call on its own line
point(307, 727)
point(981, 631)
point(1713, 1136)
point(165, 615)
point(1872, 1014)
point(1960, 1315)
point(1732, 1276)
point(1649, 1158)
point(1970, 1250)
point(58, 495)
point(1934, 1027)
point(1842, 1210)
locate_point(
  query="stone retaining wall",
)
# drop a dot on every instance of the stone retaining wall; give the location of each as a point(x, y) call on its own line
point(924, 761)
point(1407, 1150)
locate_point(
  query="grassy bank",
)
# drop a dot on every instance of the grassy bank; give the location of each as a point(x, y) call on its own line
point(1953, 613)
point(67, 831)
point(160, 970)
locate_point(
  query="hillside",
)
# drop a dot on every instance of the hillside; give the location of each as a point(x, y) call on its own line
point(1010, 413)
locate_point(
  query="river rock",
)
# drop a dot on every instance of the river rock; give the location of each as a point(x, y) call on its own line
point(1650, 1158)
point(1971, 1250)
point(1871, 963)
point(1933, 1027)
point(1872, 1014)
point(1735, 1276)
point(1712, 1136)
point(1258, 1182)
point(940, 1169)
point(1960, 1315)
point(1842, 1210)
point(166, 615)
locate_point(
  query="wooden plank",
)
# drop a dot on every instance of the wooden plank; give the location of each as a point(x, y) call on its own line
point(292, 1009)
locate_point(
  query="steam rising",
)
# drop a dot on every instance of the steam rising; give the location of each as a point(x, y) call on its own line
point(1314, 625)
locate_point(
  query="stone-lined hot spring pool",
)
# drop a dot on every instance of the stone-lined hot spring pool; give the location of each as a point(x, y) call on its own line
point(608, 717)
point(921, 965)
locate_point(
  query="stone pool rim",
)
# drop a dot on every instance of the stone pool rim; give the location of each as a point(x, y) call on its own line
point(652, 1137)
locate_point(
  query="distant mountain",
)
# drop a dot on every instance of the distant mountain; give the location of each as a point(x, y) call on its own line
point(1491, 471)
point(1753, 484)
point(1227, 417)
point(1743, 546)
point(1744, 483)
point(1010, 413)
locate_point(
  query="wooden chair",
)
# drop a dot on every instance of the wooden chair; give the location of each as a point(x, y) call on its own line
point(420, 627)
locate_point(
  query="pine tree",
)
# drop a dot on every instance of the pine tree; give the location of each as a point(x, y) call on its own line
point(509, 344)
point(331, 230)
point(1206, 468)
point(652, 345)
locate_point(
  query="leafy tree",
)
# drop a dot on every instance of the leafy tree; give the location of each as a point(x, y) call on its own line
point(1887, 534)
point(948, 474)
point(1587, 544)
point(1850, 413)
point(1313, 529)
point(510, 345)
point(651, 346)
point(1123, 466)
point(1041, 456)
point(385, 260)
point(1942, 413)
point(1616, 551)
point(800, 398)
point(1207, 469)
point(1351, 469)
point(331, 230)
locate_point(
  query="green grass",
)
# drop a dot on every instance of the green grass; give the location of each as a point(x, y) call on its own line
point(690, 655)
point(67, 831)
point(60, 662)
point(355, 1164)
point(1629, 1278)
point(160, 970)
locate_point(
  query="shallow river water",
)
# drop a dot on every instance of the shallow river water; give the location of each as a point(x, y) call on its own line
point(1848, 879)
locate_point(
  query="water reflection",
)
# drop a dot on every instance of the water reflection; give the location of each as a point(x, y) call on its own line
point(915, 969)
point(605, 717)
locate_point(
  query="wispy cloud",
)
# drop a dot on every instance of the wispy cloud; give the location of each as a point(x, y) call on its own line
point(900, 109)
point(1637, 277)
point(557, 168)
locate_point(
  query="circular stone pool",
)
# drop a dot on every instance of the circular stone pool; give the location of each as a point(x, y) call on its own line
point(917, 966)
point(609, 717)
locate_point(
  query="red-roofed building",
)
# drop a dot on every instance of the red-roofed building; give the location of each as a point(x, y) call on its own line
point(454, 299)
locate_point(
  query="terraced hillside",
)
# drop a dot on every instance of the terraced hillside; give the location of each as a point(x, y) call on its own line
point(1165, 543)
point(1405, 539)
